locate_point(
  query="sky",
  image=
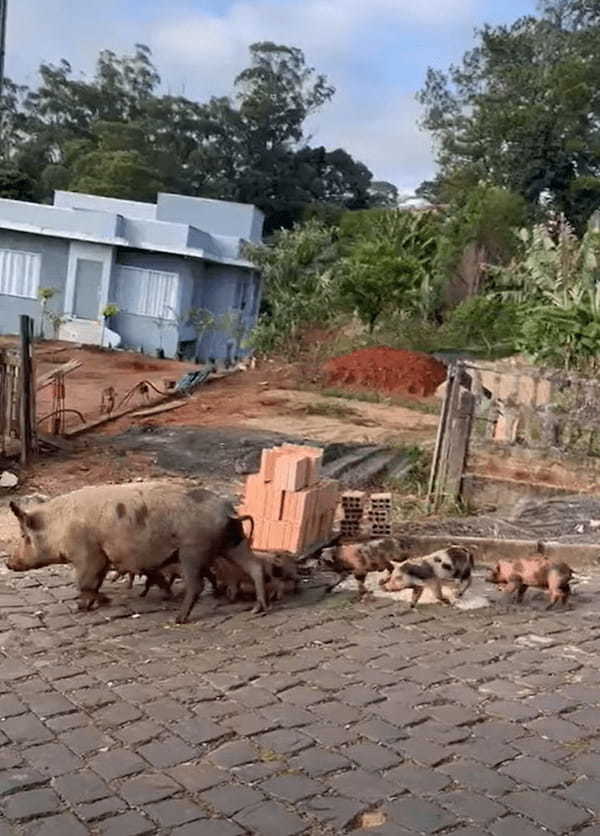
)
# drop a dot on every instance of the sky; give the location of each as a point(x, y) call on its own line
point(375, 52)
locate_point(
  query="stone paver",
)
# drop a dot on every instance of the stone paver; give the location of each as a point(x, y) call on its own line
point(322, 718)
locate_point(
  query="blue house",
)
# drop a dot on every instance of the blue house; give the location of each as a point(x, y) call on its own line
point(174, 269)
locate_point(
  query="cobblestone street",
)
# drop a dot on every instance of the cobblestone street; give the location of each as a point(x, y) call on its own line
point(323, 717)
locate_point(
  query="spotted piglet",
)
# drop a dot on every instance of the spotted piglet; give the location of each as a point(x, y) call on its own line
point(359, 559)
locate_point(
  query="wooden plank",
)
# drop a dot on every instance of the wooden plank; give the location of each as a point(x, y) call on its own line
point(154, 410)
point(98, 422)
point(441, 430)
point(439, 488)
point(460, 432)
point(55, 441)
point(47, 378)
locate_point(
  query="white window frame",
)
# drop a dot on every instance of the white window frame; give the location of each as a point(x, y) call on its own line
point(169, 311)
point(13, 284)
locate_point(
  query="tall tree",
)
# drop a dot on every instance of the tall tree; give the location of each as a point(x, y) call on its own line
point(522, 110)
point(115, 134)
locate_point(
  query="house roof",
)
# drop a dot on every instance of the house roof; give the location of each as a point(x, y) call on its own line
point(212, 230)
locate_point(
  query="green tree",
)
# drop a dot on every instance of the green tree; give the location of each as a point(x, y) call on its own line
point(478, 231)
point(15, 184)
point(388, 264)
point(299, 285)
point(115, 131)
point(383, 194)
point(522, 110)
point(121, 174)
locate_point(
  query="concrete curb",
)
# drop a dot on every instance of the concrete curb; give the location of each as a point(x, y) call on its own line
point(488, 549)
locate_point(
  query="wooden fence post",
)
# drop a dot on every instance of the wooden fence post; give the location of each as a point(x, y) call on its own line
point(454, 430)
point(27, 415)
point(460, 433)
point(434, 473)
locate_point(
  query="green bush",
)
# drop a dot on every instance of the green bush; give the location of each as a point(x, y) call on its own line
point(556, 284)
point(482, 322)
point(299, 286)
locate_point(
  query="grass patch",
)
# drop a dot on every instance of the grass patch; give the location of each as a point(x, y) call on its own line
point(330, 410)
point(387, 400)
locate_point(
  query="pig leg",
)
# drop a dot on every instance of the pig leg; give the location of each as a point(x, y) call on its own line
point(436, 588)
point(560, 595)
point(90, 574)
point(417, 591)
point(386, 577)
point(194, 564)
point(156, 578)
point(466, 584)
point(231, 592)
point(514, 587)
point(254, 567)
point(362, 589)
point(330, 588)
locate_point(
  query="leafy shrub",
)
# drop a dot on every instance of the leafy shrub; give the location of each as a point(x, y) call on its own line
point(299, 286)
point(483, 322)
point(387, 264)
point(556, 284)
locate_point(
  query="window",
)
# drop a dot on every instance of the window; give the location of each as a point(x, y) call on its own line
point(147, 292)
point(20, 273)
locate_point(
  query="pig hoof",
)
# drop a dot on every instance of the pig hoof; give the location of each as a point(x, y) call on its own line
point(180, 619)
point(143, 593)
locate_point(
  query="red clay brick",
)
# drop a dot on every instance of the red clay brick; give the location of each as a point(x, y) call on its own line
point(274, 504)
point(255, 495)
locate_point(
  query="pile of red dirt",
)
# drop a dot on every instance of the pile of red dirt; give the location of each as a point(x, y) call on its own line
point(389, 370)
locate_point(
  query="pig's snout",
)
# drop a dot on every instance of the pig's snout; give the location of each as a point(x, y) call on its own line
point(16, 564)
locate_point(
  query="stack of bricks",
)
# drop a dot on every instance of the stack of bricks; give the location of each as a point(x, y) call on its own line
point(380, 514)
point(292, 506)
point(353, 505)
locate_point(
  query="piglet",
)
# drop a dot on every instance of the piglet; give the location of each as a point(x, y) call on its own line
point(416, 575)
point(359, 559)
point(537, 572)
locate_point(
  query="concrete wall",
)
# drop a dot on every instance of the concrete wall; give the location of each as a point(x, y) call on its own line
point(94, 224)
point(217, 217)
point(91, 202)
point(221, 297)
point(155, 233)
point(55, 258)
point(142, 332)
point(202, 285)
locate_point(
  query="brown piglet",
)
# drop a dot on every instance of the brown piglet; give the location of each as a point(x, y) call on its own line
point(515, 577)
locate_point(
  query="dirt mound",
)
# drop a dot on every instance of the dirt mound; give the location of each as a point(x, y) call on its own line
point(387, 370)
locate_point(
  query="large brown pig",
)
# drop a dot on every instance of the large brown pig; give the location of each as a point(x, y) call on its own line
point(538, 572)
point(138, 528)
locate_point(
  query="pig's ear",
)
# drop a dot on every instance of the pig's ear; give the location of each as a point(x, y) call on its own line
point(18, 512)
point(31, 521)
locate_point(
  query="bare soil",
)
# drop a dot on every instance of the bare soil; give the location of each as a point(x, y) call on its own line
point(215, 437)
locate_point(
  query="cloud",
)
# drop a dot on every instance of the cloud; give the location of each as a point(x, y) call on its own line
point(366, 47)
point(384, 134)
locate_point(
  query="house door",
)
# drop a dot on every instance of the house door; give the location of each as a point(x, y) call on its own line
point(88, 286)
